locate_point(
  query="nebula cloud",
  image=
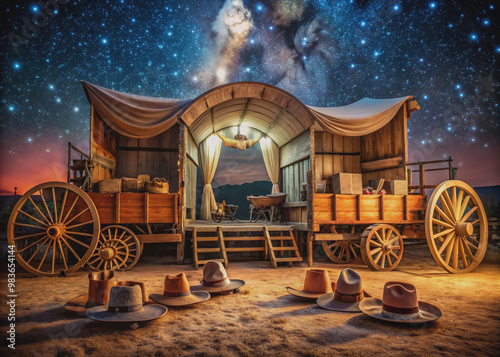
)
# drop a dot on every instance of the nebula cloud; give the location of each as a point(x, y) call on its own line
point(230, 30)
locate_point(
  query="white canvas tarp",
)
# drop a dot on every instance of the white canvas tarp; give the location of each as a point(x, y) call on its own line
point(138, 116)
point(359, 118)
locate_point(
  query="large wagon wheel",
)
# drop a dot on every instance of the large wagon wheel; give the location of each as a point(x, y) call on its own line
point(340, 251)
point(118, 248)
point(54, 229)
point(381, 247)
point(456, 227)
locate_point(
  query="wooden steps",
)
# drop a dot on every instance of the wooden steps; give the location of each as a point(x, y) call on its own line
point(276, 242)
point(285, 237)
point(221, 248)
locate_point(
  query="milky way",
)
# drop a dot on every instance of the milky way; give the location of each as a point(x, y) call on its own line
point(327, 53)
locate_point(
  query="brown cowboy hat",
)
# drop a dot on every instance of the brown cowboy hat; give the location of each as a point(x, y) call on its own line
point(400, 304)
point(346, 295)
point(215, 279)
point(177, 293)
point(125, 305)
point(100, 284)
point(316, 284)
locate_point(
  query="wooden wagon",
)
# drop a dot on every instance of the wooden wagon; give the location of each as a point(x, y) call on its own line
point(57, 227)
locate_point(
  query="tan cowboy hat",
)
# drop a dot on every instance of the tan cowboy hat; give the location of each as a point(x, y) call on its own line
point(346, 295)
point(215, 279)
point(400, 304)
point(316, 284)
point(125, 305)
point(177, 292)
point(98, 293)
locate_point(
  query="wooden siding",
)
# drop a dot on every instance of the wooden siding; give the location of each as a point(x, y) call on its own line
point(296, 150)
point(292, 177)
point(389, 142)
point(156, 156)
point(334, 154)
point(103, 152)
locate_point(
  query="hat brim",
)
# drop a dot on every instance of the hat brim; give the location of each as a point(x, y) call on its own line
point(427, 312)
point(303, 294)
point(193, 298)
point(148, 313)
point(233, 284)
point(327, 301)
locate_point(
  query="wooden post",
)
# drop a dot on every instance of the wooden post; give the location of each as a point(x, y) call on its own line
point(421, 172)
point(450, 168)
point(69, 161)
point(182, 196)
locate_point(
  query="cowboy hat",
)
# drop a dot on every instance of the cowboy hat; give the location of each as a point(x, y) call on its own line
point(316, 284)
point(215, 279)
point(98, 293)
point(125, 305)
point(177, 292)
point(400, 304)
point(346, 295)
point(145, 297)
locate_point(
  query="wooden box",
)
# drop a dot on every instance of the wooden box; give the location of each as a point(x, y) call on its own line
point(110, 186)
point(396, 187)
point(345, 183)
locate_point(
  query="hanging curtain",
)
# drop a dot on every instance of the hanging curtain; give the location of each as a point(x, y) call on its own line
point(271, 155)
point(209, 158)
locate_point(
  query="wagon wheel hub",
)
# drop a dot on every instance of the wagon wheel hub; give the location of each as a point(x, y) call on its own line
point(386, 248)
point(55, 231)
point(107, 253)
point(464, 229)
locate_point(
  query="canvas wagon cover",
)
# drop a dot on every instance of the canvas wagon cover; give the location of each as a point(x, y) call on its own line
point(139, 117)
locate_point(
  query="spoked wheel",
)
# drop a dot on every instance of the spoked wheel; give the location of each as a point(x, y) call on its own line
point(381, 247)
point(341, 251)
point(54, 229)
point(456, 227)
point(118, 248)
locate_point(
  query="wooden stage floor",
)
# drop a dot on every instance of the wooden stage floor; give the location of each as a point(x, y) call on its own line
point(235, 226)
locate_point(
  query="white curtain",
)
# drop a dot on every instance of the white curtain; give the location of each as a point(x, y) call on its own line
point(209, 158)
point(271, 155)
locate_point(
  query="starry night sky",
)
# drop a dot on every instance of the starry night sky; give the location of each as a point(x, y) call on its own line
point(327, 53)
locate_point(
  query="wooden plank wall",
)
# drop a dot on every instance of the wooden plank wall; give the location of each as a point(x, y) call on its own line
point(387, 142)
point(102, 148)
point(334, 154)
point(292, 177)
point(163, 164)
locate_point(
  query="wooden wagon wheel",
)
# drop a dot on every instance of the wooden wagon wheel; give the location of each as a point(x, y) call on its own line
point(381, 247)
point(340, 251)
point(118, 248)
point(456, 227)
point(54, 228)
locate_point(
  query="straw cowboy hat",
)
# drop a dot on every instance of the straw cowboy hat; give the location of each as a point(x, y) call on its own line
point(400, 304)
point(100, 284)
point(347, 293)
point(177, 293)
point(316, 284)
point(215, 279)
point(125, 305)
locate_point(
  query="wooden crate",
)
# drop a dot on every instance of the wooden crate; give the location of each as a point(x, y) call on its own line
point(346, 183)
point(396, 187)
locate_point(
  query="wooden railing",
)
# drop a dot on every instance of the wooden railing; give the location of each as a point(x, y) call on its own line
point(422, 169)
point(82, 155)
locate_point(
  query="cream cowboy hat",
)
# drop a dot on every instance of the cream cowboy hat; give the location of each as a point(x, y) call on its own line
point(100, 284)
point(177, 293)
point(316, 284)
point(215, 279)
point(400, 304)
point(125, 305)
point(347, 293)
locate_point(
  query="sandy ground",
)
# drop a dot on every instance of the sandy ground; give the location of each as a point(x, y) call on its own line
point(262, 319)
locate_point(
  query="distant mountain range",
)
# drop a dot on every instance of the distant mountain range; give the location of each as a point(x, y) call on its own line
point(237, 195)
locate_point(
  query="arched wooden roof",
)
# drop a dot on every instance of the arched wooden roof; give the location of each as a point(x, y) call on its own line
point(266, 108)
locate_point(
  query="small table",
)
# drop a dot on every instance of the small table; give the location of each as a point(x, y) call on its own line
point(225, 211)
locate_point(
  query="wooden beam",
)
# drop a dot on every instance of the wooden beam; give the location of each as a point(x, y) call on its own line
point(342, 236)
point(275, 120)
point(160, 238)
point(152, 149)
point(244, 112)
point(382, 164)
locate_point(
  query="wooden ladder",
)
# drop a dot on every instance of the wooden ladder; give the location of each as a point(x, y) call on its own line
point(285, 236)
point(219, 237)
